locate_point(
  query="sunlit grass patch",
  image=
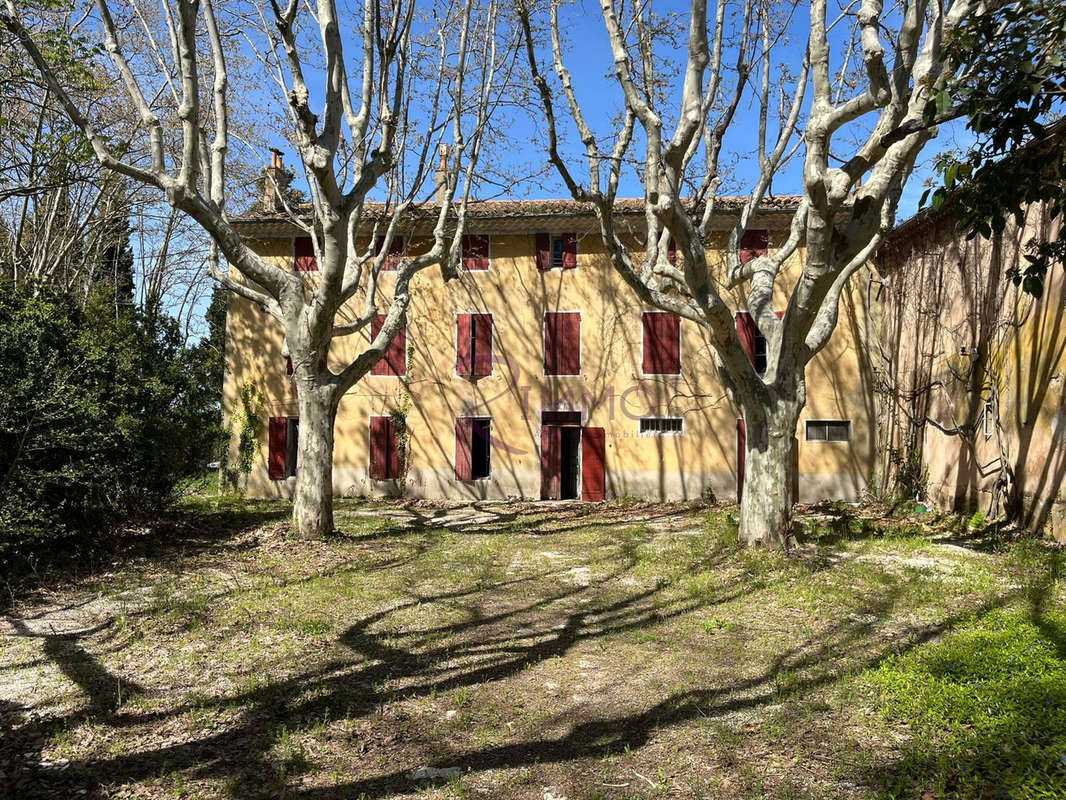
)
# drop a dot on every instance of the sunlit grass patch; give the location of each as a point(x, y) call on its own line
point(985, 708)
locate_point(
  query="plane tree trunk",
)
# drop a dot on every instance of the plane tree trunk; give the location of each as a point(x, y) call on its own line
point(769, 475)
point(312, 507)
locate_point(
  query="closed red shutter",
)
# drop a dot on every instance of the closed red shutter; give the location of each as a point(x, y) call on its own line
point(753, 243)
point(482, 330)
point(464, 358)
point(303, 251)
point(562, 343)
point(395, 360)
point(569, 250)
point(464, 435)
point(394, 458)
point(742, 446)
point(475, 251)
point(380, 434)
point(276, 441)
point(671, 251)
point(662, 343)
point(544, 251)
point(746, 331)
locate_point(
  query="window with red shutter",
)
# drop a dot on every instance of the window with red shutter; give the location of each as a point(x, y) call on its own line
point(753, 243)
point(282, 447)
point(395, 360)
point(556, 251)
point(473, 437)
point(303, 255)
point(753, 340)
point(475, 252)
point(662, 343)
point(386, 460)
point(277, 436)
point(394, 257)
point(562, 343)
point(473, 345)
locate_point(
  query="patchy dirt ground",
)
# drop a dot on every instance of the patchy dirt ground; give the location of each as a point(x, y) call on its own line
point(541, 651)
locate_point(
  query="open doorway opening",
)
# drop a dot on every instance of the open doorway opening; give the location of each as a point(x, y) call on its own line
point(570, 468)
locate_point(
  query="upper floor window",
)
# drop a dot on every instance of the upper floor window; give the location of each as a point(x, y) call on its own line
point(475, 253)
point(753, 340)
point(303, 255)
point(754, 243)
point(556, 251)
point(562, 343)
point(394, 257)
point(473, 345)
point(662, 343)
point(828, 430)
point(395, 359)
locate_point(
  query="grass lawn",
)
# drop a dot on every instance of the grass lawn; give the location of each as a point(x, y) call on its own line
point(531, 651)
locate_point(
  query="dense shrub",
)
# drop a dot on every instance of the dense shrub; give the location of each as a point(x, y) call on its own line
point(101, 414)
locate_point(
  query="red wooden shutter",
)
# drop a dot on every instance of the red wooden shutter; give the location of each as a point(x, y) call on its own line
point(276, 441)
point(464, 358)
point(475, 251)
point(562, 343)
point(394, 458)
point(671, 251)
point(544, 251)
point(395, 360)
point(288, 367)
point(746, 331)
point(464, 435)
point(303, 251)
point(380, 434)
point(551, 445)
point(569, 250)
point(741, 456)
point(753, 243)
point(662, 343)
point(593, 456)
point(482, 335)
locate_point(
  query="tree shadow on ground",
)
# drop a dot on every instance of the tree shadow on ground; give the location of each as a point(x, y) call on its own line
point(390, 662)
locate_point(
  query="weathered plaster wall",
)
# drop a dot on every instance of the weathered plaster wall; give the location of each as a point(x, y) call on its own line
point(972, 370)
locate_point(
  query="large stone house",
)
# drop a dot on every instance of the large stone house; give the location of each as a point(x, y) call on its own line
point(539, 374)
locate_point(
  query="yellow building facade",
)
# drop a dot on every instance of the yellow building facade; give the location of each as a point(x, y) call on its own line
point(656, 436)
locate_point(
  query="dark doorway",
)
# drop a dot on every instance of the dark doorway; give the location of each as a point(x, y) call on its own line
point(570, 451)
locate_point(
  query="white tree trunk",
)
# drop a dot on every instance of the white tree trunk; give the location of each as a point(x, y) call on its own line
point(769, 478)
point(312, 507)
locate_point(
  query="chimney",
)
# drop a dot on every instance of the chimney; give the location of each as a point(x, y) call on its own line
point(441, 175)
point(275, 181)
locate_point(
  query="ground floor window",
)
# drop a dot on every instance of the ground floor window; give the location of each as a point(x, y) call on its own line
point(659, 426)
point(473, 456)
point(283, 445)
point(386, 460)
point(828, 430)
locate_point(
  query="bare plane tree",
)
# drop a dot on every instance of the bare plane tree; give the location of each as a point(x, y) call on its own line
point(435, 65)
point(848, 202)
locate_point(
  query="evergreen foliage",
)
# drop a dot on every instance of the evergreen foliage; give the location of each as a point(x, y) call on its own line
point(101, 416)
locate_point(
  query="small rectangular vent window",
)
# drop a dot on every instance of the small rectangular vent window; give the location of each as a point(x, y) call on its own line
point(658, 426)
point(828, 430)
